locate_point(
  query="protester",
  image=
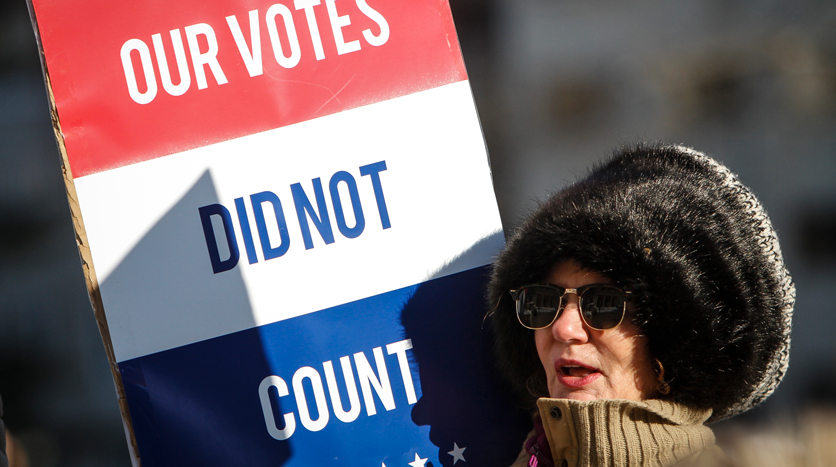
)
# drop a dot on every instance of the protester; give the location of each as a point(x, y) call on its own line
point(639, 304)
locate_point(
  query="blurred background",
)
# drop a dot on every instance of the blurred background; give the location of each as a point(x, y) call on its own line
point(558, 85)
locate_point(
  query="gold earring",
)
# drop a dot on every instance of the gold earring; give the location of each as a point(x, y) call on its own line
point(661, 385)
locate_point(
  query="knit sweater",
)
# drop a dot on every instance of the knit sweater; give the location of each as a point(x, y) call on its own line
point(609, 432)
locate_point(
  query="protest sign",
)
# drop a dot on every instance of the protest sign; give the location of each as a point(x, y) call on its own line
point(285, 213)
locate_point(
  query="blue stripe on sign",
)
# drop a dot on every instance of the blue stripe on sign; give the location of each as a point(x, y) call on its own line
point(264, 396)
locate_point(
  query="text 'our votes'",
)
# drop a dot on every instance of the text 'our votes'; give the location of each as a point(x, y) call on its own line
point(273, 389)
point(274, 237)
point(142, 73)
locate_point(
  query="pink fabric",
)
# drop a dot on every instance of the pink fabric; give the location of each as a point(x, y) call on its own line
point(538, 447)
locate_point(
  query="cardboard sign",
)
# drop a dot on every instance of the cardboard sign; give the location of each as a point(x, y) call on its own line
point(289, 208)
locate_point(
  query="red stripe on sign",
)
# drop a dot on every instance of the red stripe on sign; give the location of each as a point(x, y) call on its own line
point(120, 102)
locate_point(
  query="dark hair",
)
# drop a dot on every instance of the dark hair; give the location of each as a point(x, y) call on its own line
point(697, 250)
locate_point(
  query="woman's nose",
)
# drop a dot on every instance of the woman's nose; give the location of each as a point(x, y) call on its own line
point(569, 326)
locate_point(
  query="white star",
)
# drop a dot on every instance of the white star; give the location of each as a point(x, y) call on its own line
point(418, 462)
point(457, 453)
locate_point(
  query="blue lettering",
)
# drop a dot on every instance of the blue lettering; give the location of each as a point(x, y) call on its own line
point(284, 238)
point(206, 212)
point(373, 170)
point(305, 213)
point(245, 230)
point(359, 220)
point(322, 222)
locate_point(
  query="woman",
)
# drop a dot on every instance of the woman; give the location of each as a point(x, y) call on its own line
point(638, 304)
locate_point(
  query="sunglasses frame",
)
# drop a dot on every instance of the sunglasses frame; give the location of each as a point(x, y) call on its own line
point(515, 293)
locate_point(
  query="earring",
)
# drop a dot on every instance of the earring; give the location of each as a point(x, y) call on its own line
point(661, 385)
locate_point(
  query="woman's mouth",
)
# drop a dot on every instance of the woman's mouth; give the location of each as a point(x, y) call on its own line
point(575, 374)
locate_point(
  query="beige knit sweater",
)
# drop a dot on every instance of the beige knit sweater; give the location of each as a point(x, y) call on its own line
point(610, 432)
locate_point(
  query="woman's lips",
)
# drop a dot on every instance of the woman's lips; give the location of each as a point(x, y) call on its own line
point(574, 374)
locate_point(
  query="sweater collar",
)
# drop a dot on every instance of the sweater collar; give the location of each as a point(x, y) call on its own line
point(609, 432)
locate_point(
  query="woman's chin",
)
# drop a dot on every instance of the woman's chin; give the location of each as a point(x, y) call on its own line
point(580, 388)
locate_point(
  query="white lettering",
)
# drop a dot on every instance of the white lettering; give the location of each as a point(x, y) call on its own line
point(400, 348)
point(373, 15)
point(267, 408)
point(180, 58)
point(308, 5)
point(250, 49)
point(350, 386)
point(252, 58)
point(319, 399)
point(147, 68)
point(295, 52)
point(210, 57)
point(337, 23)
point(368, 379)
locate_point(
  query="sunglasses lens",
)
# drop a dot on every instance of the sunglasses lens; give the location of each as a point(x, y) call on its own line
point(537, 306)
point(603, 307)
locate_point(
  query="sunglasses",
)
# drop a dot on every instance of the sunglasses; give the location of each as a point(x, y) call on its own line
point(602, 306)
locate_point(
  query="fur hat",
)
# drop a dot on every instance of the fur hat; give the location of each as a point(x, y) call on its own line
point(697, 250)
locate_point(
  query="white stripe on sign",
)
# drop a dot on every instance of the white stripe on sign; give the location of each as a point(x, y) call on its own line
point(399, 207)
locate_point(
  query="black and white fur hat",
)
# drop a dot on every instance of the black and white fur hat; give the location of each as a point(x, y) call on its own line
point(697, 249)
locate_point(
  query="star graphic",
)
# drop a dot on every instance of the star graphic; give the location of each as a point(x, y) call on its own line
point(457, 453)
point(418, 462)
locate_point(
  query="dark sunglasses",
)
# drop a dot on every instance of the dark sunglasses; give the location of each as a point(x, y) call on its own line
point(602, 306)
